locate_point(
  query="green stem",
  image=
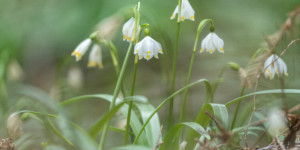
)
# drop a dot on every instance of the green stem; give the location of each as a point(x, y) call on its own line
point(116, 92)
point(130, 103)
point(237, 108)
point(120, 78)
point(216, 83)
point(199, 29)
point(170, 115)
point(114, 57)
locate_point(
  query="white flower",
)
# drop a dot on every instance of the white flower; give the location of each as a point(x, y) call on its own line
point(128, 29)
point(211, 43)
point(81, 49)
point(95, 57)
point(147, 48)
point(187, 12)
point(274, 65)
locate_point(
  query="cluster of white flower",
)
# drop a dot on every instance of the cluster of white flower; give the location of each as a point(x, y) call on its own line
point(148, 48)
point(95, 57)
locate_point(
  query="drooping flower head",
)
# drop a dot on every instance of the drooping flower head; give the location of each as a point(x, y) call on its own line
point(81, 49)
point(95, 57)
point(128, 29)
point(148, 48)
point(211, 43)
point(187, 12)
point(274, 65)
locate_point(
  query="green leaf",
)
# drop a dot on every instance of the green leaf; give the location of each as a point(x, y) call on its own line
point(153, 129)
point(37, 94)
point(219, 111)
point(134, 121)
point(97, 127)
point(131, 147)
point(106, 97)
point(58, 133)
point(82, 139)
point(275, 91)
point(163, 103)
point(171, 140)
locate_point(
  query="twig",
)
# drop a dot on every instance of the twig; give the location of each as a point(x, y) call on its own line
point(254, 109)
point(158, 143)
point(279, 143)
point(258, 139)
point(286, 26)
point(295, 108)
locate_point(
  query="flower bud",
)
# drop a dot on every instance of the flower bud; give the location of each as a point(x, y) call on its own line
point(234, 66)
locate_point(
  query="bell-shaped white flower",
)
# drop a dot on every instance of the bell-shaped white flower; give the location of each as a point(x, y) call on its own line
point(128, 29)
point(187, 12)
point(95, 57)
point(211, 43)
point(81, 49)
point(274, 65)
point(148, 48)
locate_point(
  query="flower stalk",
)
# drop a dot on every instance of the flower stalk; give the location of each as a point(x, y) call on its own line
point(131, 103)
point(170, 115)
point(200, 27)
point(120, 78)
point(237, 108)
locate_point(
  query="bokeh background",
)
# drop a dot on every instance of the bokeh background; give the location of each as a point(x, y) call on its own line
point(38, 36)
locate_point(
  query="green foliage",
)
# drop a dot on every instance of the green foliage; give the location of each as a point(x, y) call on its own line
point(41, 41)
point(171, 139)
point(219, 111)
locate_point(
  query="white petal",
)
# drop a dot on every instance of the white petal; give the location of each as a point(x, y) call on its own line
point(137, 48)
point(137, 33)
point(272, 72)
point(81, 49)
point(218, 43)
point(148, 46)
point(174, 13)
point(130, 31)
point(204, 44)
point(282, 66)
point(187, 11)
point(210, 45)
point(126, 28)
point(95, 57)
point(268, 62)
point(158, 48)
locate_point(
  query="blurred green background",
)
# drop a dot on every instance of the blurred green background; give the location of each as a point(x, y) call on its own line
point(41, 34)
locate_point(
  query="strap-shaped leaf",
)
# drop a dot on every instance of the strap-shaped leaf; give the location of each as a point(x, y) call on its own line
point(171, 140)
